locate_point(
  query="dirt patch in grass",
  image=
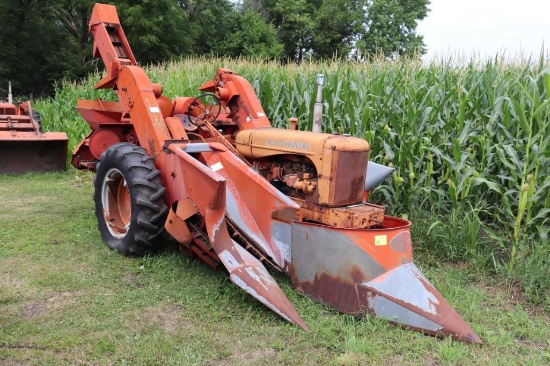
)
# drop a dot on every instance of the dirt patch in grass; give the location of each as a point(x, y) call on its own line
point(41, 307)
point(8, 281)
point(20, 209)
point(167, 316)
point(172, 319)
point(511, 296)
point(250, 356)
point(351, 358)
point(35, 309)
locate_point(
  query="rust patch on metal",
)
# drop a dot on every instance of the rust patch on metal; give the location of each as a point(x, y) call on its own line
point(357, 275)
point(350, 170)
point(331, 291)
point(401, 242)
point(437, 309)
point(360, 216)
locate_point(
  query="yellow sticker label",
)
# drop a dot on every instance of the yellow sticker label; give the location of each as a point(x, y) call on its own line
point(380, 240)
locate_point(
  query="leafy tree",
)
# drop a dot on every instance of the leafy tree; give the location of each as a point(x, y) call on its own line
point(74, 16)
point(47, 40)
point(323, 28)
point(390, 28)
point(224, 27)
point(253, 37)
point(44, 41)
point(73, 45)
point(157, 30)
point(12, 15)
point(337, 24)
point(210, 24)
point(37, 49)
point(293, 20)
point(296, 27)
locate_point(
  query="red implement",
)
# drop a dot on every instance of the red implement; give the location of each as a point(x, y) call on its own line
point(23, 147)
point(237, 193)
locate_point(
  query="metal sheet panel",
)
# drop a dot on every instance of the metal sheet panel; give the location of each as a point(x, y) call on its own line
point(419, 304)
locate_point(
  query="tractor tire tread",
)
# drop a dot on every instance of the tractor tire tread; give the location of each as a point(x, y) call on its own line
point(147, 199)
point(146, 224)
point(147, 203)
point(153, 174)
point(144, 182)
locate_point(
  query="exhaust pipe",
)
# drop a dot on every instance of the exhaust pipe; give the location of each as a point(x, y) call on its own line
point(10, 96)
point(318, 108)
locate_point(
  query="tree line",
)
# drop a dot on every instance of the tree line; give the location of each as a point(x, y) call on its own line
point(44, 40)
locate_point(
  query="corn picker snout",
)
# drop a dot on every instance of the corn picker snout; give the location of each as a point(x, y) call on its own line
point(237, 193)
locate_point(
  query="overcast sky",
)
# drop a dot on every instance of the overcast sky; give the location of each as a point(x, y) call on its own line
point(486, 27)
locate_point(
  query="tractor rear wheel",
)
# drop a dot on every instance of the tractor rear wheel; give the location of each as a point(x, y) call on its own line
point(36, 117)
point(129, 199)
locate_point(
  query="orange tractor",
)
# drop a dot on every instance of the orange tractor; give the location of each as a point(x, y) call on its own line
point(23, 146)
point(237, 193)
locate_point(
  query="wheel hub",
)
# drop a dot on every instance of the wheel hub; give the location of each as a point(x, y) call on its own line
point(117, 207)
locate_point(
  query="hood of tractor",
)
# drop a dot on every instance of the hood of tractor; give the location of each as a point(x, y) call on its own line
point(340, 161)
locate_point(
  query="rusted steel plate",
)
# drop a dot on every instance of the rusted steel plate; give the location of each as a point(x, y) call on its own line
point(249, 273)
point(24, 152)
point(208, 189)
point(245, 270)
point(252, 205)
point(417, 304)
point(327, 264)
point(336, 251)
point(371, 271)
point(358, 216)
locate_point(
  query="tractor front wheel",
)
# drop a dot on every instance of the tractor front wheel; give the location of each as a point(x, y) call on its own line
point(129, 200)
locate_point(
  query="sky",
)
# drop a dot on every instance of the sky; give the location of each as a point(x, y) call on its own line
point(486, 27)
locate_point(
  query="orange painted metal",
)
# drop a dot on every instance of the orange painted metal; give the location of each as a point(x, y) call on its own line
point(110, 43)
point(23, 147)
point(101, 139)
point(340, 161)
point(117, 203)
point(177, 129)
point(243, 195)
point(208, 189)
point(175, 223)
point(237, 94)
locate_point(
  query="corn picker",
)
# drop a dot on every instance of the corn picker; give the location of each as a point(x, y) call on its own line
point(237, 193)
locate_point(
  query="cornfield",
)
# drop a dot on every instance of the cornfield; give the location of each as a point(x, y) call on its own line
point(460, 135)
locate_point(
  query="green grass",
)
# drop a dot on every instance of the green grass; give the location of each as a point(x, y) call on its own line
point(66, 299)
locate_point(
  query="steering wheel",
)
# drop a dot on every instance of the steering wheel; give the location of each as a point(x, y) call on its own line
point(210, 106)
